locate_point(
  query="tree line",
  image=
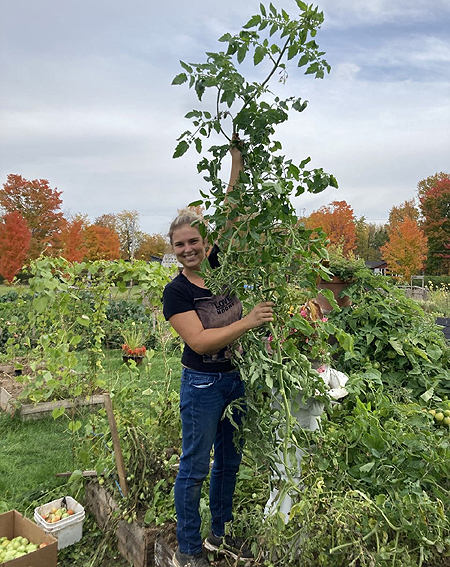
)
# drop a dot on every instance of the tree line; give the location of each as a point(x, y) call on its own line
point(416, 237)
point(33, 224)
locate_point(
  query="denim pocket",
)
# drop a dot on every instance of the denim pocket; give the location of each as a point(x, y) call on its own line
point(199, 380)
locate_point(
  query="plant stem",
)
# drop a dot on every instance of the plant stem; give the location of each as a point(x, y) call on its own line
point(269, 76)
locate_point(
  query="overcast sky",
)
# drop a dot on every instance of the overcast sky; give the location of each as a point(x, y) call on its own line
point(86, 100)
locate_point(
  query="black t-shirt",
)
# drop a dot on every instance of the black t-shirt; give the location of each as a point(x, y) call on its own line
point(180, 296)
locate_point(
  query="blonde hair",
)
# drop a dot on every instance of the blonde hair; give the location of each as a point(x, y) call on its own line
point(185, 216)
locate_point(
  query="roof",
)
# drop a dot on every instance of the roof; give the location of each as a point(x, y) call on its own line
point(376, 264)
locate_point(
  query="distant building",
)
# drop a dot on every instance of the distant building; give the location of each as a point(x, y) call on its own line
point(377, 266)
point(170, 260)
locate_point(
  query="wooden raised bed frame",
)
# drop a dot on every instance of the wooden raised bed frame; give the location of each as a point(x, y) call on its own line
point(43, 409)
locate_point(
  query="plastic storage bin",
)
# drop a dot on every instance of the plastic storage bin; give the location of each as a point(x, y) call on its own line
point(68, 530)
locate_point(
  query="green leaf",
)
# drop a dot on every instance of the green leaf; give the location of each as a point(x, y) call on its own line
point(303, 60)
point(273, 9)
point(395, 344)
point(242, 52)
point(299, 105)
point(180, 79)
point(58, 412)
point(181, 149)
point(83, 320)
point(294, 171)
point(367, 467)
point(253, 21)
point(259, 55)
point(198, 145)
point(193, 113)
point(426, 396)
point(333, 182)
point(292, 51)
point(433, 351)
point(186, 67)
point(40, 303)
point(263, 9)
point(302, 5)
point(225, 37)
point(74, 426)
point(313, 68)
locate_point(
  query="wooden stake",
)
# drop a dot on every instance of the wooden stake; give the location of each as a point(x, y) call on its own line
point(116, 445)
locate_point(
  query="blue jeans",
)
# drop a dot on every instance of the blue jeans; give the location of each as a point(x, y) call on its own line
point(203, 399)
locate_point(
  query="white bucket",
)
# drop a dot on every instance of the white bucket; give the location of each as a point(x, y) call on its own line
point(68, 530)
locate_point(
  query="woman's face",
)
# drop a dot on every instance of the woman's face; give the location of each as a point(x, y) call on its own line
point(188, 246)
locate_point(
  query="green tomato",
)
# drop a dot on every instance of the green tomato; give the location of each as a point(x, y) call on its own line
point(439, 416)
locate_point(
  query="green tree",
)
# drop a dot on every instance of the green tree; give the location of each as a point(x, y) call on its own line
point(370, 237)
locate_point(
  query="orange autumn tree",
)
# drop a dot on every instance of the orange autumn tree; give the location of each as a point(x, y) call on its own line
point(338, 222)
point(15, 237)
point(101, 243)
point(39, 205)
point(406, 250)
point(72, 243)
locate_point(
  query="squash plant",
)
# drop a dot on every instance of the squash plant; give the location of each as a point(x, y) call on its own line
point(265, 252)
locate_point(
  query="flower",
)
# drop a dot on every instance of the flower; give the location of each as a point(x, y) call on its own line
point(138, 351)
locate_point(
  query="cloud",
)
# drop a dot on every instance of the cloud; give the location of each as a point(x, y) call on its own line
point(348, 13)
point(87, 101)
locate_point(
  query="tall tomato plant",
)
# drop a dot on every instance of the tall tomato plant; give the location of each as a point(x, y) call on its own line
point(264, 248)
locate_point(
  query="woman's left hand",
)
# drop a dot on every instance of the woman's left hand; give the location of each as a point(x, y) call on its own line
point(260, 314)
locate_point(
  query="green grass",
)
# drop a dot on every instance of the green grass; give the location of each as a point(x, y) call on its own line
point(33, 452)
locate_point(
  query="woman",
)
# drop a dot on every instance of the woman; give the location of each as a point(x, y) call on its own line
point(208, 325)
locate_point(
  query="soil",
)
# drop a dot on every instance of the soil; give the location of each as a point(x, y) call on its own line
point(10, 384)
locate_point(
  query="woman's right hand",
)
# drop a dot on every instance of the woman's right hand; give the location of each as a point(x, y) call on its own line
point(260, 314)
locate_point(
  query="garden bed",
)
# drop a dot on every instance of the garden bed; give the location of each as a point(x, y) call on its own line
point(142, 546)
point(135, 542)
point(10, 391)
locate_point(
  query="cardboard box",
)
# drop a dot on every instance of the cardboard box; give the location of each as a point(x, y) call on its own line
point(13, 524)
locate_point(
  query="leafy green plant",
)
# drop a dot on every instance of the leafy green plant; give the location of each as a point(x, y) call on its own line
point(134, 337)
point(394, 341)
point(68, 308)
point(345, 267)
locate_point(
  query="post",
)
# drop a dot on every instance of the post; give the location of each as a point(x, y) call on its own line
point(116, 445)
